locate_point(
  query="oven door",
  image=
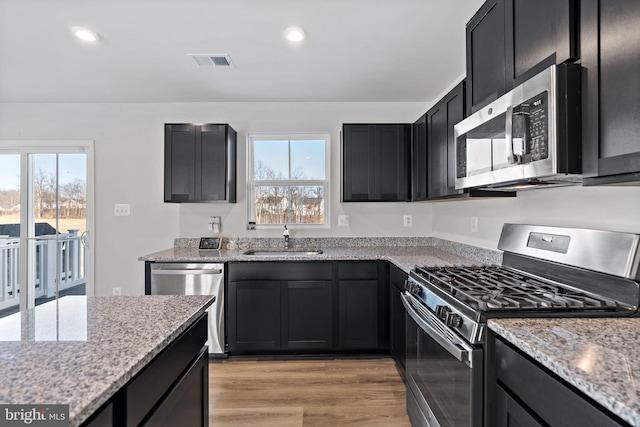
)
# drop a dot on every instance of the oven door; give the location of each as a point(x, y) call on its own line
point(444, 373)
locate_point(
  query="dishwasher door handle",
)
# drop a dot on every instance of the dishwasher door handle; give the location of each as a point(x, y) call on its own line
point(185, 272)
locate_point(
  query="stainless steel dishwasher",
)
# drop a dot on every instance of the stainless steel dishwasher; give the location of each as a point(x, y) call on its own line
point(195, 279)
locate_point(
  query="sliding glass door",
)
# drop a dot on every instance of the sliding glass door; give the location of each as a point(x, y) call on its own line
point(46, 211)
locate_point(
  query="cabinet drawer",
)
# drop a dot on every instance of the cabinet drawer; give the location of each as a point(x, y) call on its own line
point(150, 385)
point(543, 394)
point(358, 270)
point(279, 270)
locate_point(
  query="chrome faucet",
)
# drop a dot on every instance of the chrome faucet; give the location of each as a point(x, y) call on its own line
point(285, 234)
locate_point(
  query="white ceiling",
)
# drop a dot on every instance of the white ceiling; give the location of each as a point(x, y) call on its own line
point(356, 50)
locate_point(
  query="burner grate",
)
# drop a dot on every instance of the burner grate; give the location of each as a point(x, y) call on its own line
point(495, 287)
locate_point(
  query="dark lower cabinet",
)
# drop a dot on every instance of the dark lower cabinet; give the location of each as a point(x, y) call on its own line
point(363, 294)
point(253, 316)
point(358, 308)
point(307, 307)
point(279, 307)
point(173, 389)
point(307, 322)
point(610, 51)
point(511, 413)
point(397, 318)
point(185, 404)
point(523, 393)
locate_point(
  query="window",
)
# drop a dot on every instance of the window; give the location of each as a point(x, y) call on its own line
point(288, 179)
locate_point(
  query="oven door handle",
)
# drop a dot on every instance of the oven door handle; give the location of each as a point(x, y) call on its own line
point(459, 349)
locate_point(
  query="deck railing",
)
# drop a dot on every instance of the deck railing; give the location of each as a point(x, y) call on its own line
point(70, 256)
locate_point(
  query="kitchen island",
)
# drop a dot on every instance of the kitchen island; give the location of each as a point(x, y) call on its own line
point(86, 351)
point(598, 357)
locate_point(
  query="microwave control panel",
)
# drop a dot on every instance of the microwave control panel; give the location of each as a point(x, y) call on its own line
point(531, 126)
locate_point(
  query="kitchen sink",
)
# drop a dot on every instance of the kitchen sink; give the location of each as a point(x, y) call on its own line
point(283, 252)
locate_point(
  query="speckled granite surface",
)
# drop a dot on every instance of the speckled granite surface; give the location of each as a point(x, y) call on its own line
point(92, 350)
point(600, 357)
point(403, 252)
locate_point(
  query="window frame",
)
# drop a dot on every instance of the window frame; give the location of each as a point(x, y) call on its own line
point(252, 183)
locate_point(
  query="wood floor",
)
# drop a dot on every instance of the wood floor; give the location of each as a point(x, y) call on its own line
point(293, 393)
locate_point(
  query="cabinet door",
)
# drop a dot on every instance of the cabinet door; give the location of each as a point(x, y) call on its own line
point(358, 163)
point(538, 34)
point(441, 142)
point(180, 163)
point(509, 413)
point(307, 320)
point(392, 162)
point(397, 327)
point(610, 43)
point(253, 315)
point(486, 72)
point(200, 163)
point(376, 162)
point(212, 167)
point(420, 160)
point(187, 404)
point(358, 314)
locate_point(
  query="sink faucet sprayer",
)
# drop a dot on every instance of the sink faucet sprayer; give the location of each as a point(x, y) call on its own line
point(285, 234)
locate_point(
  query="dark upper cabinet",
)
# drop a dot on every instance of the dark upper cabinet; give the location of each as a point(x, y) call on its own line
point(610, 51)
point(441, 120)
point(538, 34)
point(486, 63)
point(509, 41)
point(420, 161)
point(376, 162)
point(200, 163)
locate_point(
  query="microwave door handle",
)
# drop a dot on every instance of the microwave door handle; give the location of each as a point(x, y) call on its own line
point(461, 354)
point(509, 135)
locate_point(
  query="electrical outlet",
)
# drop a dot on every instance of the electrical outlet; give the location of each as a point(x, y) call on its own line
point(121, 209)
point(343, 220)
point(408, 220)
point(116, 291)
point(474, 224)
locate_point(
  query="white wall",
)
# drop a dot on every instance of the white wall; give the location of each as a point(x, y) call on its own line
point(129, 150)
point(606, 208)
point(129, 169)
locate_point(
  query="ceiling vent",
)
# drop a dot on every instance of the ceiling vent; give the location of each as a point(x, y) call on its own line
point(212, 60)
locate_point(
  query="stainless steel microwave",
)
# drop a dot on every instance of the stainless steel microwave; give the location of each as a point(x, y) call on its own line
point(528, 138)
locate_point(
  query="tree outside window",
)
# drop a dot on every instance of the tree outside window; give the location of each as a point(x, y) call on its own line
point(288, 179)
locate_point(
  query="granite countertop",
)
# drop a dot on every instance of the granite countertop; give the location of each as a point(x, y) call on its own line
point(600, 357)
point(430, 252)
point(81, 350)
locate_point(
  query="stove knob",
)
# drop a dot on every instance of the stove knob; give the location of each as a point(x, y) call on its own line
point(441, 311)
point(453, 320)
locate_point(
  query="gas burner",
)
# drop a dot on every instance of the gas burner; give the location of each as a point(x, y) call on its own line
point(497, 288)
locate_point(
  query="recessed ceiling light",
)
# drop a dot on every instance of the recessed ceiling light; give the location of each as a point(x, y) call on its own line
point(84, 34)
point(295, 34)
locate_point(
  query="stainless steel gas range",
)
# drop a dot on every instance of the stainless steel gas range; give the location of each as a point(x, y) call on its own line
point(546, 272)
